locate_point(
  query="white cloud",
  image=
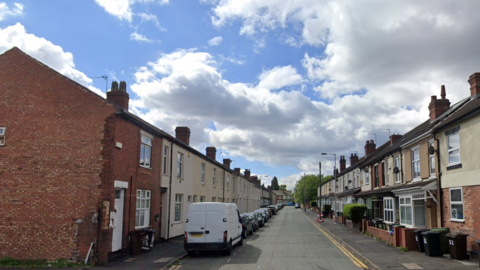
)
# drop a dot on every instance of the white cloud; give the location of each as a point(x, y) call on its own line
point(118, 8)
point(140, 38)
point(5, 11)
point(215, 41)
point(153, 18)
point(45, 52)
point(279, 77)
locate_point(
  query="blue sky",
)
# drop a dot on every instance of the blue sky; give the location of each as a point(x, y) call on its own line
point(271, 84)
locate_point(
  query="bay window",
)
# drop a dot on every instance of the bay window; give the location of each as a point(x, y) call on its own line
point(406, 211)
point(389, 209)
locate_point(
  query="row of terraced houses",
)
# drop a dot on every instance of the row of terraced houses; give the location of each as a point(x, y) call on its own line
point(427, 178)
point(79, 173)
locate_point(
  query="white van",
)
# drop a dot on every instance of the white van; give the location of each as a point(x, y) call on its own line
point(212, 226)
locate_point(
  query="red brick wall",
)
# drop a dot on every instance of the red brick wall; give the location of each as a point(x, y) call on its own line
point(407, 238)
point(471, 226)
point(52, 170)
point(384, 235)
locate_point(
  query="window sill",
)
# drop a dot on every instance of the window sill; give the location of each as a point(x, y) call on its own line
point(453, 167)
point(177, 222)
point(143, 227)
point(416, 180)
point(432, 177)
point(145, 167)
point(458, 220)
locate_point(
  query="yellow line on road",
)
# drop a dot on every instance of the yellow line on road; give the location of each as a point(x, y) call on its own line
point(175, 267)
point(356, 261)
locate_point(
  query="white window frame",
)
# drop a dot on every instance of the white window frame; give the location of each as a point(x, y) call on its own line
point(396, 163)
point(389, 209)
point(214, 176)
point(416, 176)
point(202, 198)
point(178, 208)
point(165, 160)
point(202, 180)
point(180, 165)
point(431, 160)
point(146, 150)
point(228, 181)
point(456, 133)
point(367, 178)
point(142, 213)
point(3, 131)
point(456, 203)
point(405, 205)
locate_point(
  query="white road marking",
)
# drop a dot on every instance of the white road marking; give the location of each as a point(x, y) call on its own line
point(234, 254)
point(228, 260)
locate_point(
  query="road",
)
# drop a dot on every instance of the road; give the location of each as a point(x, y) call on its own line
point(289, 240)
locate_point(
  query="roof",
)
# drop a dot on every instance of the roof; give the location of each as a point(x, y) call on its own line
point(389, 189)
point(470, 106)
point(348, 192)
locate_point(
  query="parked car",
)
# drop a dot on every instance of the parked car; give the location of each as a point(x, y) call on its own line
point(254, 217)
point(212, 226)
point(269, 212)
point(260, 219)
point(297, 205)
point(264, 213)
point(247, 225)
point(273, 209)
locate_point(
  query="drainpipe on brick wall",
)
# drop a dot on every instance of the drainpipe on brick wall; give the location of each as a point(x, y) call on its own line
point(439, 189)
point(170, 192)
point(130, 203)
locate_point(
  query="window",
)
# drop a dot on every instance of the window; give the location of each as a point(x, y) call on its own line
point(189, 198)
point(453, 148)
point(145, 151)
point(228, 181)
point(383, 174)
point(367, 178)
point(214, 176)
point(432, 160)
point(456, 204)
point(397, 164)
point(419, 212)
point(3, 130)
point(227, 200)
point(386, 173)
point(202, 198)
point(203, 174)
point(389, 209)
point(214, 199)
point(233, 184)
point(416, 163)
point(142, 214)
point(406, 210)
point(178, 207)
point(165, 160)
point(179, 165)
point(194, 198)
point(377, 181)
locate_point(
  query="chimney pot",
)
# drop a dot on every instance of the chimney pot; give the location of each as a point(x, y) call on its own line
point(474, 82)
point(247, 174)
point(212, 152)
point(119, 97)
point(369, 147)
point(226, 162)
point(183, 134)
point(438, 106)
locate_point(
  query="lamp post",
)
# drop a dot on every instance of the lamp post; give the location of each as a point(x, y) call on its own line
point(335, 185)
point(320, 185)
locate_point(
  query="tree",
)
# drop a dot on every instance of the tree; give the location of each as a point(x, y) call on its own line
point(275, 183)
point(310, 183)
point(282, 187)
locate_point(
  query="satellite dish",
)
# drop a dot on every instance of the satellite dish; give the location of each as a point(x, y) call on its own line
point(431, 150)
point(346, 187)
point(349, 181)
point(396, 170)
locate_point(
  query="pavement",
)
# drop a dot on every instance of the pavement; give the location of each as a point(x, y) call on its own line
point(160, 257)
point(381, 256)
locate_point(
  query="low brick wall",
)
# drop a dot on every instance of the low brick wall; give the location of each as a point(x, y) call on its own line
point(384, 235)
point(340, 220)
point(366, 224)
point(407, 239)
point(354, 225)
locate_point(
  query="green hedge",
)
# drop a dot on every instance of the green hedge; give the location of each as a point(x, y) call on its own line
point(327, 208)
point(354, 212)
point(313, 204)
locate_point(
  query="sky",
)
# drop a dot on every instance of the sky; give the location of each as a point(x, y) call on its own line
point(271, 84)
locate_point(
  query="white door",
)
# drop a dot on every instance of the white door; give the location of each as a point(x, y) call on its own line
point(117, 221)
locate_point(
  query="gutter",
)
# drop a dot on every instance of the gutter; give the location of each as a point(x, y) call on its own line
point(170, 192)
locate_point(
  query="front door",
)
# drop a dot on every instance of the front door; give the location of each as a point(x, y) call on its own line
point(118, 220)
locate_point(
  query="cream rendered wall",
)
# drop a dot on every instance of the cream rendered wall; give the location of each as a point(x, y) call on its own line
point(468, 175)
point(365, 186)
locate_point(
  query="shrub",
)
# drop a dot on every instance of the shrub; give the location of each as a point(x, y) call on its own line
point(354, 212)
point(313, 204)
point(327, 208)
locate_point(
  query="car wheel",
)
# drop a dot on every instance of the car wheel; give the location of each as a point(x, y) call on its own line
point(228, 251)
point(244, 234)
point(240, 243)
point(251, 231)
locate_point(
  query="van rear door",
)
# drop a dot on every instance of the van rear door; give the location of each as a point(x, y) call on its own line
point(215, 226)
point(195, 226)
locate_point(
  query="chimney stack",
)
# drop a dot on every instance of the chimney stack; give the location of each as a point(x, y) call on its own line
point(226, 162)
point(343, 163)
point(237, 170)
point(353, 159)
point(247, 174)
point(369, 147)
point(119, 96)
point(439, 106)
point(212, 152)
point(394, 138)
point(183, 134)
point(474, 82)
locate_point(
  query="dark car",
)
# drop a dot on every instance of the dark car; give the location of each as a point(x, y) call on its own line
point(260, 217)
point(247, 225)
point(273, 209)
point(254, 219)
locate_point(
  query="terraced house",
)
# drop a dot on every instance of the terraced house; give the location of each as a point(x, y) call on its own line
point(80, 173)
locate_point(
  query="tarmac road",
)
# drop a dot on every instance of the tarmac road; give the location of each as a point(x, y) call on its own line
point(289, 240)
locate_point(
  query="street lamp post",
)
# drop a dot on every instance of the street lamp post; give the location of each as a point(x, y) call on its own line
point(320, 185)
point(335, 185)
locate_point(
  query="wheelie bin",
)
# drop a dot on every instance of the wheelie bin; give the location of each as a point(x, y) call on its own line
point(457, 242)
point(431, 242)
point(419, 240)
point(443, 239)
point(136, 242)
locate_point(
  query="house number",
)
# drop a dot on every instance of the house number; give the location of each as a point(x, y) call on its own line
point(451, 242)
point(425, 240)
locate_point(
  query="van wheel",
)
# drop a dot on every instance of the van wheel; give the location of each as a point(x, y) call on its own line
point(244, 234)
point(240, 243)
point(228, 251)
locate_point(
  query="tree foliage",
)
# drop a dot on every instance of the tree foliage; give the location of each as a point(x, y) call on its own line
point(282, 187)
point(275, 183)
point(310, 182)
point(354, 212)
